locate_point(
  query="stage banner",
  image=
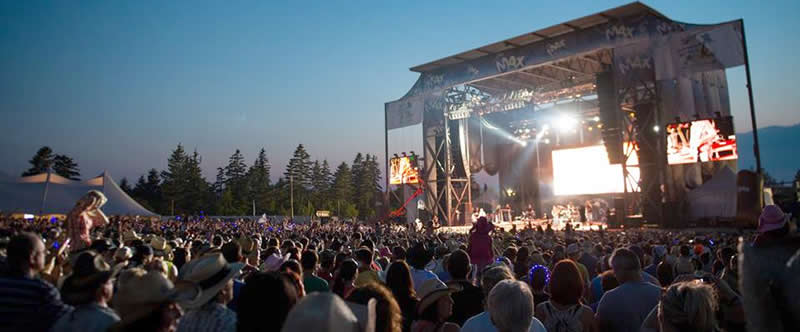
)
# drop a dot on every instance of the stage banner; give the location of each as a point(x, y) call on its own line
point(404, 112)
point(703, 49)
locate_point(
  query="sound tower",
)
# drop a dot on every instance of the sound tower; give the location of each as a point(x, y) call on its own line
point(610, 117)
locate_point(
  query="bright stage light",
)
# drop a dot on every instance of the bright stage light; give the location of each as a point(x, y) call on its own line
point(545, 127)
point(587, 170)
point(656, 128)
point(546, 141)
point(566, 123)
point(596, 118)
point(523, 143)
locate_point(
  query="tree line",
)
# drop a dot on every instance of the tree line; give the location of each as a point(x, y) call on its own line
point(349, 191)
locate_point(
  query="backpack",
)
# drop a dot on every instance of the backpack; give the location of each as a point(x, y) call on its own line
point(568, 320)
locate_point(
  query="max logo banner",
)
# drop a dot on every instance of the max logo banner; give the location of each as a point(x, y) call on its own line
point(554, 47)
point(509, 63)
point(619, 32)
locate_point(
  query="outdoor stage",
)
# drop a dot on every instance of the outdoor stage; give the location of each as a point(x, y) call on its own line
point(522, 225)
point(623, 110)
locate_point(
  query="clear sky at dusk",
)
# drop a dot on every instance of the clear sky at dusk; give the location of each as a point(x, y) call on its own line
point(116, 85)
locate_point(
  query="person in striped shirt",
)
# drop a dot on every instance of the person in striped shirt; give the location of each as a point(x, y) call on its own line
point(28, 303)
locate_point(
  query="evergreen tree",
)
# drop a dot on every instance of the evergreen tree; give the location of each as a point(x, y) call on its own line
point(125, 186)
point(196, 197)
point(219, 184)
point(299, 168)
point(148, 192)
point(41, 161)
point(367, 185)
point(236, 178)
point(321, 185)
point(258, 176)
point(176, 180)
point(66, 167)
point(342, 187)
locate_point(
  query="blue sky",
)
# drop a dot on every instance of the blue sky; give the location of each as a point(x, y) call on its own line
point(117, 85)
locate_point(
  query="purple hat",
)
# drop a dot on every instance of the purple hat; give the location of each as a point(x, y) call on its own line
point(771, 218)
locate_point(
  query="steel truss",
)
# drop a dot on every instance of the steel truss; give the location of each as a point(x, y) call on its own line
point(641, 123)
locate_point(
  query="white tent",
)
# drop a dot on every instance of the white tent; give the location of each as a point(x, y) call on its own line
point(716, 197)
point(51, 193)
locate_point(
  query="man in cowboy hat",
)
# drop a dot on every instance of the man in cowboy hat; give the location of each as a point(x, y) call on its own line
point(215, 277)
point(89, 288)
point(143, 295)
point(773, 226)
point(163, 251)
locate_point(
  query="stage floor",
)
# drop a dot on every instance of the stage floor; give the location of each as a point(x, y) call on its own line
point(521, 225)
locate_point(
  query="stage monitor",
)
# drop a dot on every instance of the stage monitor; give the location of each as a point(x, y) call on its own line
point(586, 171)
point(403, 170)
point(701, 140)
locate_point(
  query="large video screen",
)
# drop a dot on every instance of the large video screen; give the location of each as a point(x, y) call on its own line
point(403, 170)
point(586, 170)
point(701, 140)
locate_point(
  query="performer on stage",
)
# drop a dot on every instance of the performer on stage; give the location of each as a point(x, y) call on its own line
point(530, 213)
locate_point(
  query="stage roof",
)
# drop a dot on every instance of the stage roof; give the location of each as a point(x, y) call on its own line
point(634, 42)
point(631, 9)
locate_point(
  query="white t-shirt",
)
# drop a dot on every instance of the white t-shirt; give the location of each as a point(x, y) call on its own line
point(483, 323)
point(420, 276)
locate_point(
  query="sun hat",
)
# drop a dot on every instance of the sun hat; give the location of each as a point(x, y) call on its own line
point(88, 273)
point(431, 291)
point(210, 273)
point(328, 312)
point(130, 235)
point(248, 245)
point(772, 218)
point(123, 253)
point(102, 245)
point(273, 262)
point(141, 292)
point(160, 246)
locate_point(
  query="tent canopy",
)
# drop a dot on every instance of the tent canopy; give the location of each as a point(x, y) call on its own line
point(716, 197)
point(51, 193)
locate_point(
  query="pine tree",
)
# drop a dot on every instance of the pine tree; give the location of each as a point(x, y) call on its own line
point(258, 177)
point(175, 179)
point(219, 184)
point(342, 188)
point(126, 186)
point(196, 197)
point(148, 192)
point(66, 167)
point(236, 178)
point(299, 168)
point(41, 161)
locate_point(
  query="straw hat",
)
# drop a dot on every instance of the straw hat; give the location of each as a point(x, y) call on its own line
point(248, 245)
point(431, 291)
point(772, 218)
point(211, 273)
point(160, 246)
point(328, 312)
point(273, 262)
point(130, 235)
point(141, 292)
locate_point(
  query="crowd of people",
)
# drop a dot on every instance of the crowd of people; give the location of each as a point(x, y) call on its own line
point(90, 273)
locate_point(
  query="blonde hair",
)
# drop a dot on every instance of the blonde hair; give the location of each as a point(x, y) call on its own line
point(688, 306)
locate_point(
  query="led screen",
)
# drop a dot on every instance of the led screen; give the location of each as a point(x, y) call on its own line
point(403, 170)
point(586, 170)
point(701, 140)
